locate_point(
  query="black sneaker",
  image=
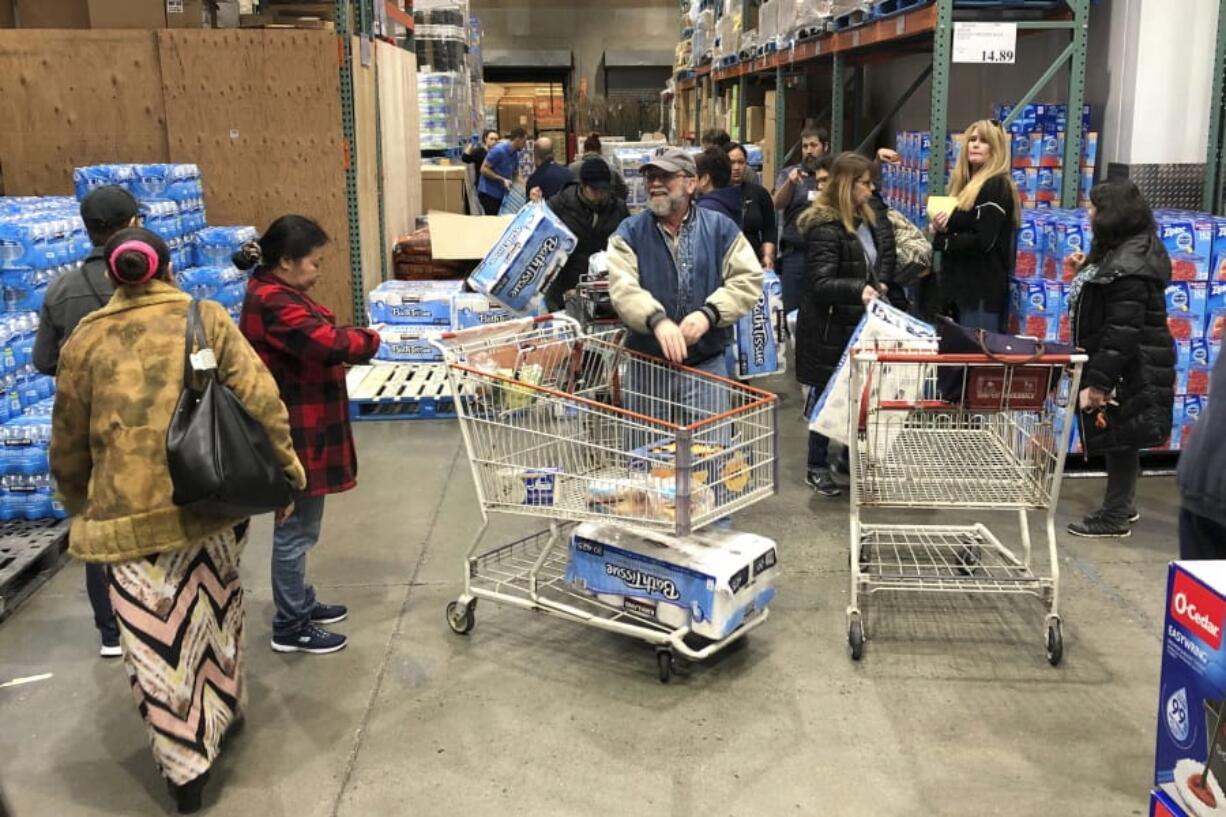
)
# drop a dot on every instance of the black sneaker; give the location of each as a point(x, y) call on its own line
point(1133, 516)
point(310, 638)
point(110, 647)
point(822, 483)
point(328, 613)
point(1095, 527)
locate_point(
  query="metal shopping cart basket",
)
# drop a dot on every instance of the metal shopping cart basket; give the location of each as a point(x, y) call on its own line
point(573, 427)
point(960, 432)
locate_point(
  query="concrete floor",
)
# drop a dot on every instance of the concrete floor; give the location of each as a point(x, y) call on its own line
point(953, 711)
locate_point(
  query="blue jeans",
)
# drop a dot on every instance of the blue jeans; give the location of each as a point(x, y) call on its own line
point(684, 401)
point(293, 597)
point(981, 318)
point(792, 276)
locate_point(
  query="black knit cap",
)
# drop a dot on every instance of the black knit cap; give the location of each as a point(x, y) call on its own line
point(595, 173)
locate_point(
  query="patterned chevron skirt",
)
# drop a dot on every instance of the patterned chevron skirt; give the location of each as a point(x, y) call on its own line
point(181, 628)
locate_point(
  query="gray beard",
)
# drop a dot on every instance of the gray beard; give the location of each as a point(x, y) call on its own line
point(665, 207)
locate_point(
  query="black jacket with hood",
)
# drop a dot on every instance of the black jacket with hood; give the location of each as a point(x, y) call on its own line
point(592, 227)
point(726, 200)
point(1120, 321)
point(836, 273)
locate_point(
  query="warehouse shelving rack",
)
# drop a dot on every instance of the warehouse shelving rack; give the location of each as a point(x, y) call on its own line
point(1211, 201)
point(927, 28)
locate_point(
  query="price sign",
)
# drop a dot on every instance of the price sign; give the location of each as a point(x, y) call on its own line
point(985, 42)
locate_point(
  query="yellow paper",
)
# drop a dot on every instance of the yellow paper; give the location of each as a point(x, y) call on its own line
point(941, 204)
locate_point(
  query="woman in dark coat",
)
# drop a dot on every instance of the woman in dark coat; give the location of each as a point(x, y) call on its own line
point(1117, 306)
point(977, 240)
point(850, 257)
point(758, 221)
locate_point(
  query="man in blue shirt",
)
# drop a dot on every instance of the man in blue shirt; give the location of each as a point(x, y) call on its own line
point(498, 171)
point(550, 177)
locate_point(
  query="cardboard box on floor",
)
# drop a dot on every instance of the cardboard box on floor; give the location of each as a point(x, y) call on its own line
point(755, 123)
point(442, 188)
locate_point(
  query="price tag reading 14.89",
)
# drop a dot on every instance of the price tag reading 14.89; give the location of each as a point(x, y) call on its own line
point(985, 43)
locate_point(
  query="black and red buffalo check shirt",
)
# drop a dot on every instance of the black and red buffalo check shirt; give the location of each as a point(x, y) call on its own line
point(306, 351)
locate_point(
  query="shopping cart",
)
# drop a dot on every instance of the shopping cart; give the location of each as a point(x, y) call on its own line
point(573, 427)
point(957, 432)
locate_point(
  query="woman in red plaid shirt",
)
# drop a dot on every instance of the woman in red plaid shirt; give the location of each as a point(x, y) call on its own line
point(306, 351)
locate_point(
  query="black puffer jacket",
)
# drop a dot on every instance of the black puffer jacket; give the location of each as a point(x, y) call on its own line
point(836, 273)
point(591, 225)
point(1120, 320)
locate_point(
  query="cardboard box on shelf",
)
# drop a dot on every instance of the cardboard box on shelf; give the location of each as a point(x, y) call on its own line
point(517, 112)
point(91, 13)
point(442, 188)
point(185, 14)
point(550, 111)
point(755, 123)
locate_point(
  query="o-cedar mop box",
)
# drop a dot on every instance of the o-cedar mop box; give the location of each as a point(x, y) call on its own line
point(523, 263)
point(713, 581)
point(414, 303)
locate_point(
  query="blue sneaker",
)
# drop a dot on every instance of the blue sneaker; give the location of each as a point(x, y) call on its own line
point(328, 613)
point(311, 639)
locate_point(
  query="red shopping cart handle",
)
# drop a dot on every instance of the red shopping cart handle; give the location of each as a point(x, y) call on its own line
point(935, 357)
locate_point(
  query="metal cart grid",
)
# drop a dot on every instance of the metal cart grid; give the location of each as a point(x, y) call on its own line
point(964, 432)
point(613, 437)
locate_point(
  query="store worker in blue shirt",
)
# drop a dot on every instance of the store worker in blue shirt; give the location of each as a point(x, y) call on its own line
point(498, 171)
point(550, 177)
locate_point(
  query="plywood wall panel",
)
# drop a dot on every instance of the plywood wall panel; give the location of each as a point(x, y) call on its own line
point(69, 99)
point(259, 111)
point(365, 105)
point(401, 139)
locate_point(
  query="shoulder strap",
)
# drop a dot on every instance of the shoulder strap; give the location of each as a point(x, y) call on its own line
point(93, 289)
point(195, 340)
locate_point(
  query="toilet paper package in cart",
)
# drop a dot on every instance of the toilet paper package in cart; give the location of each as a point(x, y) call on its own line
point(713, 581)
point(1191, 733)
point(523, 263)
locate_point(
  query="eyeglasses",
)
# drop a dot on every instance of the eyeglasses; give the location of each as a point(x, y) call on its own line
point(656, 175)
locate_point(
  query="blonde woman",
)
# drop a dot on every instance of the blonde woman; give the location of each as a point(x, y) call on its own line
point(978, 238)
point(849, 256)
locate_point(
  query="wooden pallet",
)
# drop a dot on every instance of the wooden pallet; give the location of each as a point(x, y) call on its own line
point(30, 553)
point(400, 391)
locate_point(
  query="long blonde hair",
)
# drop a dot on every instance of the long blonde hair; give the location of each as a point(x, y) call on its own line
point(837, 194)
point(966, 182)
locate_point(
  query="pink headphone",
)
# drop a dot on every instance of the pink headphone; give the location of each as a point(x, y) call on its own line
point(144, 249)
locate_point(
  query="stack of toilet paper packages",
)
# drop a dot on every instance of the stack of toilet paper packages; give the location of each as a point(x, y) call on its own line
point(409, 314)
point(523, 263)
point(711, 581)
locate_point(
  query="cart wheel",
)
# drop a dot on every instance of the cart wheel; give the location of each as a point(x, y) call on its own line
point(462, 619)
point(664, 663)
point(969, 559)
point(855, 638)
point(1055, 643)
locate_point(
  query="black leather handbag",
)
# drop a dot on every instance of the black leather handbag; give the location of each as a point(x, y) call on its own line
point(221, 460)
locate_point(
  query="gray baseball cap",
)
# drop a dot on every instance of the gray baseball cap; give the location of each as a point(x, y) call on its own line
point(672, 160)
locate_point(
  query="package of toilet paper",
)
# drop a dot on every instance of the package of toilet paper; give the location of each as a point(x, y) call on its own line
point(712, 581)
point(523, 263)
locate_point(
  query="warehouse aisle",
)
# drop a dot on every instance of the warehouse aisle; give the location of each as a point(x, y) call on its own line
point(953, 711)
